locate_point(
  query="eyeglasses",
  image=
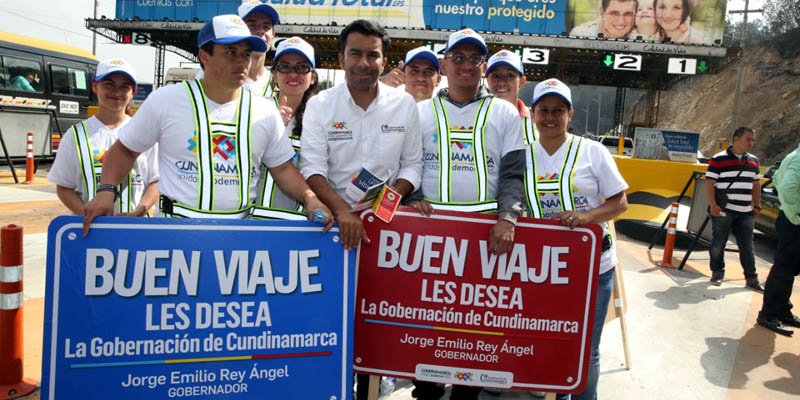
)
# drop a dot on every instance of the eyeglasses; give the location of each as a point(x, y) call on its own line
point(299, 68)
point(460, 59)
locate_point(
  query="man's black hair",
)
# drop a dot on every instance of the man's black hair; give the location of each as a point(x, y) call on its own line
point(366, 28)
point(740, 131)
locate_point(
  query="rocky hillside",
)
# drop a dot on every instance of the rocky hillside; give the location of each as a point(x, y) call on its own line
point(769, 102)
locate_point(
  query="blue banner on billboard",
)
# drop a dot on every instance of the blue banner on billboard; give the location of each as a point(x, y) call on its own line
point(658, 144)
point(673, 21)
point(213, 309)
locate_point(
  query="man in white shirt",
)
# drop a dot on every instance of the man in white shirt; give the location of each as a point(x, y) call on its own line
point(360, 125)
point(421, 69)
point(212, 135)
point(477, 139)
point(82, 151)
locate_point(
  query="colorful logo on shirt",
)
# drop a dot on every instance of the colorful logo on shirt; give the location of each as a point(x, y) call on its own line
point(98, 156)
point(223, 145)
point(339, 125)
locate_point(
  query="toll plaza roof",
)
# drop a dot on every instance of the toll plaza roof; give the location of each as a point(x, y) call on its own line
point(577, 60)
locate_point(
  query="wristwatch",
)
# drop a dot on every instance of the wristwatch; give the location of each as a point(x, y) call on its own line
point(757, 208)
point(110, 188)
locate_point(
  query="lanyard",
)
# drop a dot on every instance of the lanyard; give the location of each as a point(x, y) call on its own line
point(242, 131)
point(448, 136)
point(90, 172)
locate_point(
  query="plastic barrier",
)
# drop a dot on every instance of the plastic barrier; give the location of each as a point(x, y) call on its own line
point(12, 383)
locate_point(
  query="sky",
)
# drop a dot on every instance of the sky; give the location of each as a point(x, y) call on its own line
point(63, 21)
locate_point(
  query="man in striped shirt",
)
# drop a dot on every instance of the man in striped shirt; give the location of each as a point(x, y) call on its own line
point(734, 197)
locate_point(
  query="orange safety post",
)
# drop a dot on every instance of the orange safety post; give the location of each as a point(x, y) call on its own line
point(29, 160)
point(12, 383)
point(669, 245)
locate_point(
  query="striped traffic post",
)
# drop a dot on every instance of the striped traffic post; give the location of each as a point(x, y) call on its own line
point(669, 245)
point(29, 160)
point(12, 382)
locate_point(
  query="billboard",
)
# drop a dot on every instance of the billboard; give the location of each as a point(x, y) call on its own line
point(657, 144)
point(676, 21)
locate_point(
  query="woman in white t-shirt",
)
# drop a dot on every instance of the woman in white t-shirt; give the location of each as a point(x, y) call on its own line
point(78, 165)
point(596, 192)
point(296, 80)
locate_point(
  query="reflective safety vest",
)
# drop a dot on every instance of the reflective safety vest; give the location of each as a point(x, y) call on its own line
point(561, 186)
point(266, 207)
point(529, 130)
point(90, 172)
point(476, 136)
point(242, 130)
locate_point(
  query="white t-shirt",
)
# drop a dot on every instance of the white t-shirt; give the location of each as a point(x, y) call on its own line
point(503, 134)
point(167, 118)
point(586, 29)
point(258, 86)
point(595, 178)
point(67, 172)
point(280, 199)
point(339, 138)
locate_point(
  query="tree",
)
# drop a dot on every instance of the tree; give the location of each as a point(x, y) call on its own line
point(782, 15)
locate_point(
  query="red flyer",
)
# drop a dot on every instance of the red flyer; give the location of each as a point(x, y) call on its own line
point(434, 304)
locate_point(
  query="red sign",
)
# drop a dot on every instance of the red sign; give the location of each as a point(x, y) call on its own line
point(434, 304)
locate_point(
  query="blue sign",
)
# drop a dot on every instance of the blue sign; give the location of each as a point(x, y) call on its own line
point(510, 16)
point(175, 10)
point(214, 309)
point(142, 91)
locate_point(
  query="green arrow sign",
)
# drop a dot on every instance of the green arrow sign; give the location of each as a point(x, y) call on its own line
point(702, 67)
point(609, 60)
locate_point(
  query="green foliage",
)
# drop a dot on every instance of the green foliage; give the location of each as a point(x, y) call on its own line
point(781, 15)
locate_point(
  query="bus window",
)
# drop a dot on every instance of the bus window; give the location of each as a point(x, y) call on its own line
point(24, 74)
point(70, 81)
point(3, 75)
point(59, 79)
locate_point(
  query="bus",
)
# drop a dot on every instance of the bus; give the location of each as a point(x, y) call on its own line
point(45, 88)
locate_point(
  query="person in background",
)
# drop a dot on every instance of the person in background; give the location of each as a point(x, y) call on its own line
point(733, 190)
point(295, 76)
point(505, 76)
point(23, 82)
point(422, 73)
point(595, 195)
point(79, 162)
point(776, 311)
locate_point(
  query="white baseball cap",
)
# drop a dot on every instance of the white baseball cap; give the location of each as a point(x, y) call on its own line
point(424, 53)
point(115, 66)
point(297, 45)
point(250, 6)
point(466, 36)
point(227, 29)
point(552, 86)
point(505, 57)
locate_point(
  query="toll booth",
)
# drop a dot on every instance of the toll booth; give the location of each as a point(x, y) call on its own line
point(552, 38)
